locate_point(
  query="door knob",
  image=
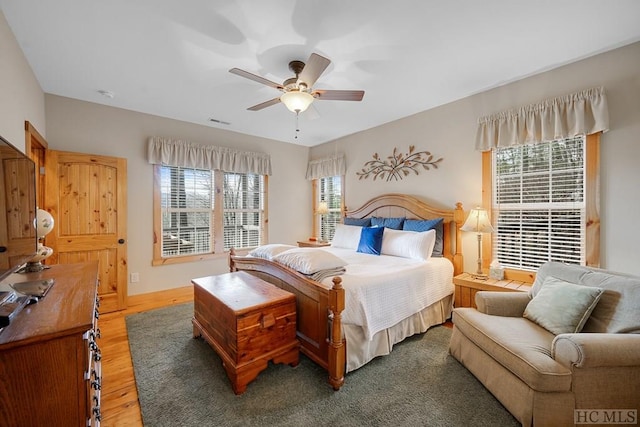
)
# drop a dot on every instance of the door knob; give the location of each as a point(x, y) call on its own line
point(121, 241)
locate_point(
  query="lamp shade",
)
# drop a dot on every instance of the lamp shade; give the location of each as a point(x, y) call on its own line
point(296, 101)
point(477, 221)
point(323, 209)
point(44, 223)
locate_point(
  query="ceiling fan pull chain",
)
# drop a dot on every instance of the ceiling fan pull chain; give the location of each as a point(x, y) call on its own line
point(297, 127)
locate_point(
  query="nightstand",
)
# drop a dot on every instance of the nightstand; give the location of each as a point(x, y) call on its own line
point(467, 286)
point(312, 244)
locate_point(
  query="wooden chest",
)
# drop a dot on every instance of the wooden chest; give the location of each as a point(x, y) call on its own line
point(247, 321)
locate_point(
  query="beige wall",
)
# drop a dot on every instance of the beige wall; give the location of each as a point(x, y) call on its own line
point(449, 132)
point(85, 127)
point(20, 93)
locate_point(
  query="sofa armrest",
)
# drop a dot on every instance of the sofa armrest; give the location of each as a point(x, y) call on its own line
point(506, 304)
point(584, 350)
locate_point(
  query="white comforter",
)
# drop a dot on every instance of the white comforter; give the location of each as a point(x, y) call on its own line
point(382, 290)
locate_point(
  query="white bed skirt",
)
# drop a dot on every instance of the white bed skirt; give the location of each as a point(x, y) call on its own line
point(360, 351)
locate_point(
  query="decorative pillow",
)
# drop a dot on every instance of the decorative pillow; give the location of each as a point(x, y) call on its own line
point(562, 307)
point(394, 223)
point(362, 222)
point(270, 250)
point(346, 236)
point(408, 244)
point(371, 240)
point(309, 260)
point(426, 225)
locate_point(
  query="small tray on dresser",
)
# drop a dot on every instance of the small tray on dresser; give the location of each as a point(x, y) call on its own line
point(35, 288)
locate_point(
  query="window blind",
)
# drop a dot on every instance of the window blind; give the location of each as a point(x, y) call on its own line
point(189, 213)
point(243, 210)
point(539, 203)
point(186, 202)
point(330, 191)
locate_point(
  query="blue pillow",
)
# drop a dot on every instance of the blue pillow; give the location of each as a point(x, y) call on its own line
point(371, 240)
point(426, 225)
point(395, 223)
point(362, 222)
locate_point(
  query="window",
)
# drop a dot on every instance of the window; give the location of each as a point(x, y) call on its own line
point(191, 211)
point(187, 211)
point(328, 191)
point(542, 202)
point(243, 210)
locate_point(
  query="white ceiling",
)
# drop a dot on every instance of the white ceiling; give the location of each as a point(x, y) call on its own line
point(171, 58)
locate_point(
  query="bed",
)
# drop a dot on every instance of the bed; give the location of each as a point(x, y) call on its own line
point(329, 335)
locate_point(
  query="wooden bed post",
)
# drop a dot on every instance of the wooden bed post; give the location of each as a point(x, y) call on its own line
point(337, 348)
point(458, 219)
point(232, 264)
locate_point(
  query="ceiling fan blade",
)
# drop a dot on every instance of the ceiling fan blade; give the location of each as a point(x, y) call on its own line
point(339, 95)
point(255, 78)
point(315, 66)
point(265, 104)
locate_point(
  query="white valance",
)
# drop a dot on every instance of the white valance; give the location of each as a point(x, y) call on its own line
point(330, 166)
point(581, 113)
point(171, 152)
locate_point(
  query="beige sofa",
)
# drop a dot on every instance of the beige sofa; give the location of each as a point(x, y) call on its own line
point(541, 377)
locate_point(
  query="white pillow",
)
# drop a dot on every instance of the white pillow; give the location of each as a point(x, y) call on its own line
point(408, 244)
point(270, 250)
point(346, 236)
point(309, 260)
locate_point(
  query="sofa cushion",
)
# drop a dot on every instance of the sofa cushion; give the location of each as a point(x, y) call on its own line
point(617, 310)
point(562, 307)
point(518, 344)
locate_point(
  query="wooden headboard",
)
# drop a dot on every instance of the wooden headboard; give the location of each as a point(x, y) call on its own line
point(410, 207)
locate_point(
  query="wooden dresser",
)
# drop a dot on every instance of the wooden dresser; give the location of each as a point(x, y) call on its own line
point(247, 321)
point(49, 360)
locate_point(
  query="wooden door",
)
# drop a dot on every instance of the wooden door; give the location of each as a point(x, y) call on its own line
point(35, 146)
point(87, 196)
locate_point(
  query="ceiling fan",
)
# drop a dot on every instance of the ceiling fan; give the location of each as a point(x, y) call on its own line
point(298, 92)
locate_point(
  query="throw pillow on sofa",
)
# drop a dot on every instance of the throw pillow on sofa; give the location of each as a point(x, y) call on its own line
point(562, 307)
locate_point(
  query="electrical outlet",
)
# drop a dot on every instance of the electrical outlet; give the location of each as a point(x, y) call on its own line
point(135, 277)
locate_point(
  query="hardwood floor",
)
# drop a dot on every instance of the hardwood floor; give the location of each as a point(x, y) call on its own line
point(119, 401)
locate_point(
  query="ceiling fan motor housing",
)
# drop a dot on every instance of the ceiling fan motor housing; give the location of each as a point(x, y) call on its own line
point(299, 88)
point(294, 83)
point(290, 84)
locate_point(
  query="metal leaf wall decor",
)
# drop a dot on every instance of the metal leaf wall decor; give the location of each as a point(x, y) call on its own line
point(398, 165)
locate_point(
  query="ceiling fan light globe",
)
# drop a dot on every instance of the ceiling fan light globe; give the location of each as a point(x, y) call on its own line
point(296, 101)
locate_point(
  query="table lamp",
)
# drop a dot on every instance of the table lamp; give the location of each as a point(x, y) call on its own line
point(478, 221)
point(44, 226)
point(322, 210)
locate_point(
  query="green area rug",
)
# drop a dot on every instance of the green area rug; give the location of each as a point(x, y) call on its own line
point(181, 382)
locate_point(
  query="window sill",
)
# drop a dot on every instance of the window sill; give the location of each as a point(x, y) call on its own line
point(189, 258)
